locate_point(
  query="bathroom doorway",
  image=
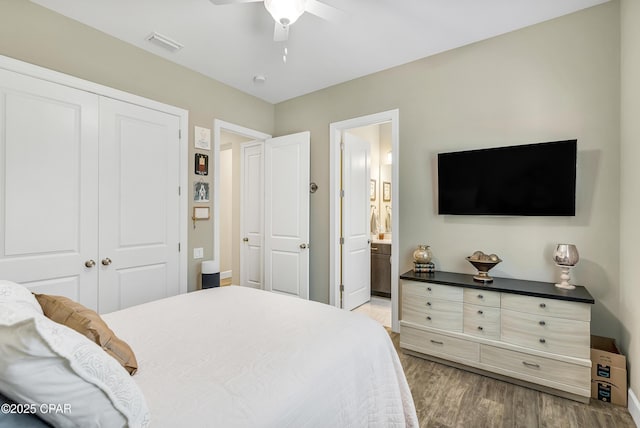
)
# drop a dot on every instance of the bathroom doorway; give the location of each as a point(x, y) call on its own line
point(380, 212)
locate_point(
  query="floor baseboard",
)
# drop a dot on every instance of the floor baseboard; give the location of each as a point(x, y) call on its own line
point(226, 274)
point(634, 407)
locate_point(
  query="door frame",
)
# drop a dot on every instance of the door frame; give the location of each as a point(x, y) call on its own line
point(49, 75)
point(335, 138)
point(218, 126)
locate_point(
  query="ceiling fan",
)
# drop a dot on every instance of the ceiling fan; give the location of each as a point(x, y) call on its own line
point(286, 12)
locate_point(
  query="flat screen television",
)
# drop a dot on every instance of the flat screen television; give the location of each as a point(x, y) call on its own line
point(526, 180)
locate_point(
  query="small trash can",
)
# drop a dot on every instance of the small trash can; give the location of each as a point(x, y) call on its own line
point(210, 278)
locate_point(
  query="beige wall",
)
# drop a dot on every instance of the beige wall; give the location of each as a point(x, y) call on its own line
point(630, 178)
point(552, 81)
point(34, 34)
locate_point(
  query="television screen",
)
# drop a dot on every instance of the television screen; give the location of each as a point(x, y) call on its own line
point(527, 180)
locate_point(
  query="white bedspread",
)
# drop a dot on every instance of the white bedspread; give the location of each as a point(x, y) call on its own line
point(238, 357)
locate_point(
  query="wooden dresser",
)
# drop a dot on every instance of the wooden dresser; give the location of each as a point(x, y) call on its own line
point(525, 332)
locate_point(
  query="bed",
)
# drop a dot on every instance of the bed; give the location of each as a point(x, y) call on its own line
point(239, 357)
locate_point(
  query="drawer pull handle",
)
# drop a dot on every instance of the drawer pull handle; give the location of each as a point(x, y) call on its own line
point(542, 340)
point(480, 328)
point(542, 323)
point(428, 303)
point(428, 288)
point(428, 318)
point(436, 342)
point(480, 312)
point(374, 248)
point(542, 305)
point(480, 296)
point(537, 366)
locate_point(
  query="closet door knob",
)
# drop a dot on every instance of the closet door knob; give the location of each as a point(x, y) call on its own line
point(245, 239)
point(90, 263)
point(303, 246)
point(106, 262)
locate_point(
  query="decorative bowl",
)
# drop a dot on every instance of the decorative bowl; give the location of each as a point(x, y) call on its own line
point(483, 267)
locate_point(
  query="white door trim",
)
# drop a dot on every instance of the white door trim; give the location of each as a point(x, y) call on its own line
point(335, 132)
point(85, 85)
point(218, 127)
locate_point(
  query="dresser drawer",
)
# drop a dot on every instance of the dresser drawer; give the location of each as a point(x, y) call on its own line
point(482, 297)
point(435, 313)
point(520, 365)
point(482, 321)
point(551, 307)
point(546, 333)
point(415, 289)
point(438, 344)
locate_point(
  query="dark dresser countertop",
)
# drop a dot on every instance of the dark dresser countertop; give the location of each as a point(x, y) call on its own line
point(547, 290)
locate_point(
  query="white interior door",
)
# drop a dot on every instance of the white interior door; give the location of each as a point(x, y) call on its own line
point(287, 214)
point(251, 213)
point(48, 187)
point(139, 205)
point(356, 252)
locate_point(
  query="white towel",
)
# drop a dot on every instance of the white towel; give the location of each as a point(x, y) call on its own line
point(374, 221)
point(387, 220)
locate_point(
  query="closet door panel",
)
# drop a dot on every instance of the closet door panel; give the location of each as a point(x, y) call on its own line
point(48, 186)
point(139, 205)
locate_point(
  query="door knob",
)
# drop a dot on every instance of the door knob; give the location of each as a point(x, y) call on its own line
point(303, 245)
point(106, 262)
point(90, 263)
point(245, 239)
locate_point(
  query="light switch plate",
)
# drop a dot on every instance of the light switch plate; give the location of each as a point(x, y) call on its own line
point(198, 253)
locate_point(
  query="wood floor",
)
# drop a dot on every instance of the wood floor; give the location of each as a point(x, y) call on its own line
point(446, 397)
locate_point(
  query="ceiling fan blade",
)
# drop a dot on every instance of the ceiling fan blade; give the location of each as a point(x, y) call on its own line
point(223, 2)
point(280, 32)
point(324, 11)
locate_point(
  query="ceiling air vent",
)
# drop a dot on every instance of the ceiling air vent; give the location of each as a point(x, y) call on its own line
point(164, 41)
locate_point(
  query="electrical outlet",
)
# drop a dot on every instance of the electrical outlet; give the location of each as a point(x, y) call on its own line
point(198, 253)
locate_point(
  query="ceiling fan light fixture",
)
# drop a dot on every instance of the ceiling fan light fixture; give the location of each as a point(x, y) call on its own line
point(285, 12)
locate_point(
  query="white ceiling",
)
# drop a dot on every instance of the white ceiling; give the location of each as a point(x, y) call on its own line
point(234, 43)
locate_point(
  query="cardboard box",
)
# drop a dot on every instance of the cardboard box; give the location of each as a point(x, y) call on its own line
point(608, 371)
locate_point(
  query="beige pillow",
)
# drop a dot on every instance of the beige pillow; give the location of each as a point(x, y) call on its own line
point(88, 323)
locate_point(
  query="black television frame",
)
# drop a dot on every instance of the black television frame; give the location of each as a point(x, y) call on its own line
point(480, 173)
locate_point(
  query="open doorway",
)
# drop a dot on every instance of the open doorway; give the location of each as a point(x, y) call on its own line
point(230, 147)
point(381, 216)
point(273, 215)
point(229, 140)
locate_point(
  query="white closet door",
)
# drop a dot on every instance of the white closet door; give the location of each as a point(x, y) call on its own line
point(286, 247)
point(48, 187)
point(251, 213)
point(139, 205)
